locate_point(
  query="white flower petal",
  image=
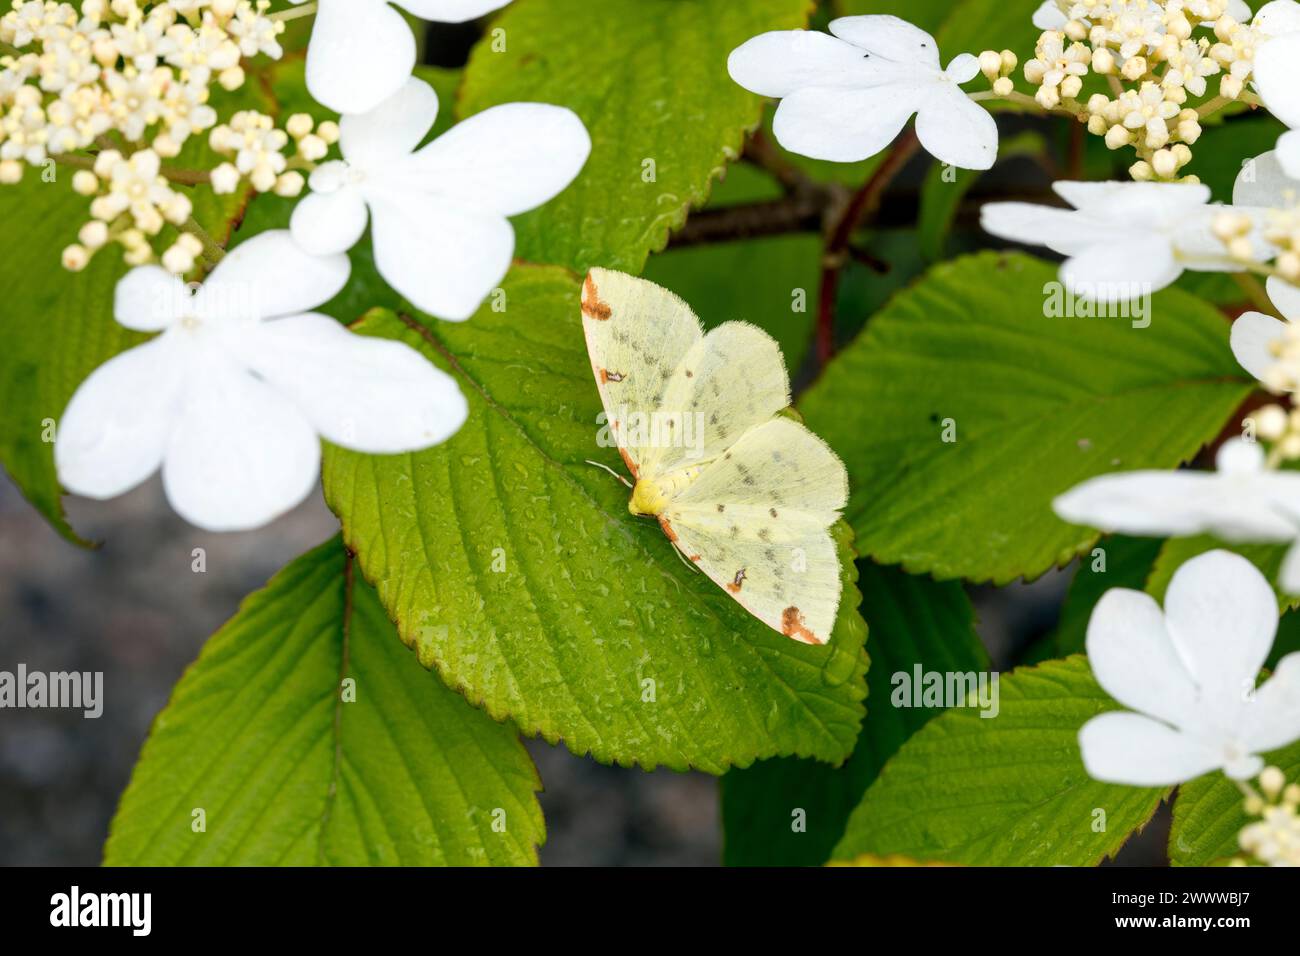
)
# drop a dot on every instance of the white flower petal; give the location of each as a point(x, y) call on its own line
point(240, 454)
point(509, 158)
point(270, 275)
point(1222, 615)
point(1285, 296)
point(357, 58)
point(113, 433)
point(451, 11)
point(1061, 230)
point(149, 298)
point(1121, 270)
point(1277, 77)
point(1262, 183)
point(889, 37)
point(842, 126)
point(783, 61)
point(1252, 334)
point(443, 257)
point(1134, 660)
point(1049, 16)
point(1272, 718)
point(955, 130)
point(1128, 748)
point(1275, 18)
point(963, 68)
point(393, 128)
point(329, 223)
point(1175, 504)
point(1288, 155)
point(369, 394)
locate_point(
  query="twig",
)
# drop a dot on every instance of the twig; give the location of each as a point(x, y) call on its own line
point(212, 251)
point(863, 204)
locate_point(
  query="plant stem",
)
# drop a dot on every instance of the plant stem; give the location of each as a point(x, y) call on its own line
point(293, 13)
point(1256, 293)
point(212, 251)
point(861, 206)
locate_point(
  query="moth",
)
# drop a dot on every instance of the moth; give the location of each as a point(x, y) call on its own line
point(746, 494)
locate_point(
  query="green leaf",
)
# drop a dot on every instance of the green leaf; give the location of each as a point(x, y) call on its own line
point(1128, 563)
point(1178, 551)
point(1038, 405)
point(758, 281)
point(512, 565)
point(260, 736)
point(1006, 791)
point(1209, 813)
point(913, 621)
point(649, 79)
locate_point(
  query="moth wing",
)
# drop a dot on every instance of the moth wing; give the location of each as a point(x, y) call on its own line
point(729, 381)
point(757, 522)
point(637, 334)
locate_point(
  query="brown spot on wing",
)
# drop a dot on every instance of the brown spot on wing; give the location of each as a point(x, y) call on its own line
point(607, 376)
point(592, 307)
point(792, 626)
point(668, 529)
point(735, 585)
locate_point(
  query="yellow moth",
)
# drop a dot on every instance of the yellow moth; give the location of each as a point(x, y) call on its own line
point(745, 493)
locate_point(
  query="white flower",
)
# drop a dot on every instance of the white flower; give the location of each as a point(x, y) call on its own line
point(438, 214)
point(1243, 501)
point(362, 51)
point(1277, 74)
point(1121, 239)
point(230, 399)
point(1190, 674)
point(1269, 348)
point(845, 97)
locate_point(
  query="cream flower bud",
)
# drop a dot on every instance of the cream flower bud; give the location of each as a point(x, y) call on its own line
point(1182, 155)
point(263, 179)
point(1230, 86)
point(1135, 67)
point(1271, 782)
point(990, 66)
point(1270, 422)
point(11, 171)
point(177, 260)
point(93, 234)
point(225, 179)
point(1071, 86)
point(1097, 103)
point(75, 258)
point(312, 148)
point(1118, 136)
point(329, 130)
point(85, 182)
point(300, 124)
point(231, 78)
point(1009, 61)
point(1164, 164)
point(1141, 171)
point(166, 147)
point(1103, 61)
point(1035, 70)
point(1048, 97)
point(1097, 125)
point(1288, 265)
point(290, 184)
point(105, 162)
point(1189, 130)
point(1076, 30)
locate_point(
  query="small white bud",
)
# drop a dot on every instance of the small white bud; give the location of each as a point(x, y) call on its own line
point(225, 179)
point(85, 182)
point(75, 258)
point(299, 125)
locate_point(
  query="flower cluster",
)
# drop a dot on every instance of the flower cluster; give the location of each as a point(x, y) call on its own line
point(1149, 59)
point(114, 90)
point(1274, 839)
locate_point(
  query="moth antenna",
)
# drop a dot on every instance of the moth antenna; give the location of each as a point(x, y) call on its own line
point(610, 470)
point(681, 556)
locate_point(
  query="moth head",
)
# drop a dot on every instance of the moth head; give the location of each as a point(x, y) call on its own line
point(647, 499)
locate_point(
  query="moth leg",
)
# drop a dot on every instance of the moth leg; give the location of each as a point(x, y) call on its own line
point(610, 470)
